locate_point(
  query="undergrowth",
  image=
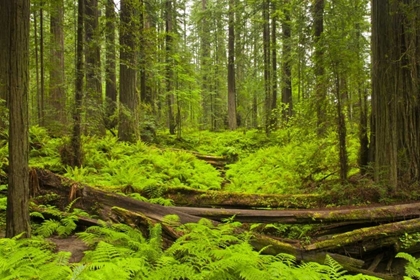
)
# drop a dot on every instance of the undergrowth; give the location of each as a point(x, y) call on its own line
point(111, 163)
point(204, 251)
point(286, 161)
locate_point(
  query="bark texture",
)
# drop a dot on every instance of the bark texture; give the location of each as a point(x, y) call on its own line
point(320, 92)
point(110, 70)
point(57, 98)
point(127, 127)
point(17, 213)
point(93, 100)
point(231, 69)
point(395, 96)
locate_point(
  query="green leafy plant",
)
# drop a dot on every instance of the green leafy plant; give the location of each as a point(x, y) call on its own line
point(412, 268)
point(31, 259)
point(64, 223)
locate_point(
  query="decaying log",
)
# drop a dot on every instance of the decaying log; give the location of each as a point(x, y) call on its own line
point(370, 234)
point(200, 198)
point(142, 214)
point(353, 215)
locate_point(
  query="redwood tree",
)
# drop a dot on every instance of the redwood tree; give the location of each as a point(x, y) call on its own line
point(110, 69)
point(17, 64)
point(57, 98)
point(128, 126)
point(231, 69)
point(395, 96)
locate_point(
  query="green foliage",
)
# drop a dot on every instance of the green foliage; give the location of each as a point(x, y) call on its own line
point(231, 144)
point(288, 166)
point(111, 163)
point(204, 251)
point(63, 224)
point(44, 150)
point(412, 269)
point(31, 259)
point(408, 240)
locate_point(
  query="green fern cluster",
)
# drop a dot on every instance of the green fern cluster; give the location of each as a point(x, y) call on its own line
point(412, 269)
point(63, 224)
point(227, 143)
point(44, 150)
point(285, 167)
point(112, 163)
point(205, 251)
point(31, 259)
point(109, 163)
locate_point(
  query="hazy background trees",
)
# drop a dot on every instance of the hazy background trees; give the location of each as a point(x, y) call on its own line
point(214, 64)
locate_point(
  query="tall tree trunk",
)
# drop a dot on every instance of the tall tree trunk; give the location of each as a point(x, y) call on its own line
point(255, 93)
point(41, 98)
point(76, 158)
point(57, 94)
point(4, 66)
point(17, 213)
point(37, 75)
point(395, 96)
point(110, 70)
point(341, 125)
point(205, 59)
point(267, 74)
point(273, 117)
point(231, 69)
point(363, 158)
point(128, 121)
point(94, 101)
point(146, 47)
point(320, 93)
point(169, 65)
point(286, 84)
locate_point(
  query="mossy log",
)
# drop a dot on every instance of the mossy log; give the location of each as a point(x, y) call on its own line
point(117, 207)
point(360, 215)
point(371, 235)
point(218, 162)
point(98, 201)
point(212, 198)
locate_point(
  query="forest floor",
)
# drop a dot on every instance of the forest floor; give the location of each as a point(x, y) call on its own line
point(306, 180)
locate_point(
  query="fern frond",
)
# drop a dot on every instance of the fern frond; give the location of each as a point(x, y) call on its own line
point(335, 270)
point(47, 228)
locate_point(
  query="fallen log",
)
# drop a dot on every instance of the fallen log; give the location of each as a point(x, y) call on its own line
point(118, 207)
point(200, 198)
point(376, 233)
point(100, 202)
point(375, 214)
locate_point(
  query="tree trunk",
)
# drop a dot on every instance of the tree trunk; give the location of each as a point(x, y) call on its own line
point(273, 106)
point(57, 97)
point(231, 68)
point(37, 75)
point(170, 98)
point(267, 74)
point(341, 127)
point(395, 81)
point(4, 66)
point(320, 92)
point(205, 62)
point(286, 80)
point(146, 49)
point(41, 98)
point(128, 121)
point(93, 101)
point(110, 70)
point(17, 213)
point(76, 158)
